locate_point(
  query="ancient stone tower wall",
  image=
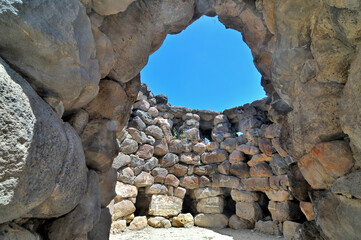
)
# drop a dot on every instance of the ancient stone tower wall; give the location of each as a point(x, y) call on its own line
point(182, 161)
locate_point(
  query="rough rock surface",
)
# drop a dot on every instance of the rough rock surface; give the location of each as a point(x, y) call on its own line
point(31, 132)
point(56, 53)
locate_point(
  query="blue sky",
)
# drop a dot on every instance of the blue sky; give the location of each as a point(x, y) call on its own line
point(204, 67)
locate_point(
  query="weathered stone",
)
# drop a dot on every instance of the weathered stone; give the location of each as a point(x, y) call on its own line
point(107, 182)
point(118, 226)
point(229, 144)
point(265, 146)
point(199, 148)
point(67, 50)
point(109, 7)
point(240, 170)
point(236, 157)
point(42, 160)
point(153, 111)
point(129, 218)
point(122, 209)
point(161, 99)
point(144, 179)
point(258, 158)
point(215, 156)
point(207, 192)
point(283, 211)
point(179, 146)
point(247, 123)
point(159, 174)
point(100, 145)
point(190, 158)
point(137, 123)
point(307, 209)
point(224, 167)
point(127, 176)
point(142, 105)
point(121, 160)
point(271, 131)
point(256, 184)
point(145, 151)
point(237, 223)
point(219, 180)
point(269, 227)
point(179, 170)
point(156, 189)
point(325, 163)
point(183, 220)
point(211, 220)
point(165, 206)
point(159, 222)
point(136, 164)
point(279, 182)
point(349, 185)
point(279, 196)
point(277, 145)
point(189, 182)
point(110, 103)
point(244, 196)
point(211, 146)
point(309, 230)
point(101, 229)
point(128, 146)
point(204, 181)
point(83, 217)
point(144, 116)
point(220, 119)
point(171, 180)
point(279, 165)
point(12, 231)
point(125, 191)
point(154, 131)
point(138, 223)
point(169, 160)
point(150, 164)
point(138, 136)
point(248, 149)
point(160, 147)
point(79, 120)
point(291, 230)
point(249, 211)
point(211, 205)
point(298, 185)
point(261, 169)
point(341, 222)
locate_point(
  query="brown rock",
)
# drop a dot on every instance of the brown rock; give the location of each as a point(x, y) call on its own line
point(248, 149)
point(279, 182)
point(237, 223)
point(249, 211)
point(144, 179)
point(183, 220)
point(138, 223)
point(142, 105)
point(165, 206)
point(179, 146)
point(256, 184)
point(224, 167)
point(156, 189)
point(271, 131)
point(291, 230)
point(169, 160)
point(283, 211)
point(269, 227)
point(211, 205)
point(180, 192)
point(216, 156)
point(118, 226)
point(107, 182)
point(199, 148)
point(236, 157)
point(219, 180)
point(211, 220)
point(154, 131)
point(211, 146)
point(122, 209)
point(261, 169)
point(189, 182)
point(179, 170)
point(279, 196)
point(325, 163)
point(153, 111)
point(258, 158)
point(204, 181)
point(145, 151)
point(171, 180)
point(307, 209)
point(240, 170)
point(190, 158)
point(244, 196)
point(265, 146)
point(297, 183)
point(159, 174)
point(277, 145)
point(229, 144)
point(160, 147)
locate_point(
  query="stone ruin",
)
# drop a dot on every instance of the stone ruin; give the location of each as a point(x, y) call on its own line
point(69, 76)
point(182, 167)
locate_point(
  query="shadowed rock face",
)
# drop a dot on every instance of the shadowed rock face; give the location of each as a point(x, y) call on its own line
point(307, 52)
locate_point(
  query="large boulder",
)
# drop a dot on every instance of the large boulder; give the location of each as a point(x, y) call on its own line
point(12, 231)
point(43, 164)
point(107, 183)
point(101, 229)
point(54, 48)
point(165, 206)
point(82, 219)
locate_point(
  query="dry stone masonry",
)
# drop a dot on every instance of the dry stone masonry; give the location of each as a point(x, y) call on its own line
point(78, 130)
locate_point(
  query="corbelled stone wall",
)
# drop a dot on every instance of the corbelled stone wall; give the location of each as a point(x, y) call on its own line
point(70, 74)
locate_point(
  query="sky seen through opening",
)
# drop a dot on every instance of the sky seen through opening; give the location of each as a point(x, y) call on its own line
point(204, 67)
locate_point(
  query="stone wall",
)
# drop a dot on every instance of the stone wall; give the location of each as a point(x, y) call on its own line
point(69, 75)
point(186, 162)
